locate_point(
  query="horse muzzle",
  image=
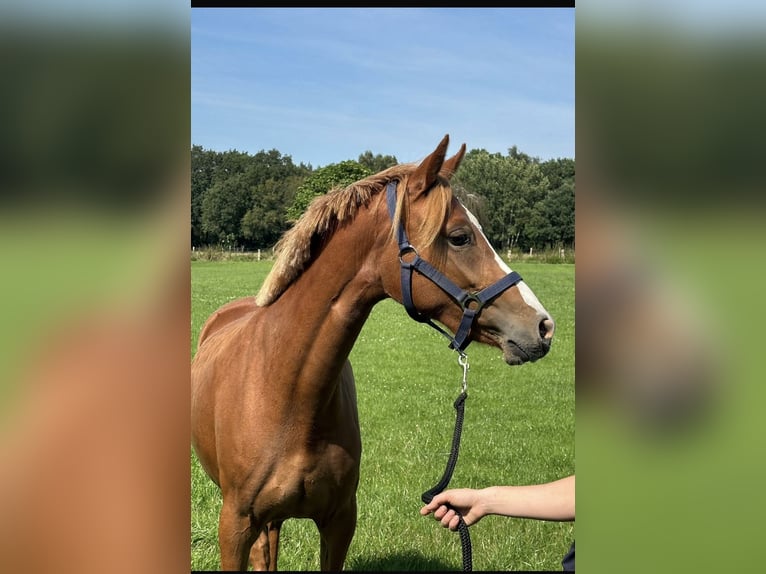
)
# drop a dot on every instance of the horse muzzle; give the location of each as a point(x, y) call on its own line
point(521, 345)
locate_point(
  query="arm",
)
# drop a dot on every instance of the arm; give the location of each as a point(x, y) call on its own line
point(549, 501)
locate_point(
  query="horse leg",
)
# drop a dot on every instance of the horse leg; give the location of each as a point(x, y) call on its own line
point(274, 528)
point(235, 537)
point(265, 551)
point(260, 556)
point(335, 536)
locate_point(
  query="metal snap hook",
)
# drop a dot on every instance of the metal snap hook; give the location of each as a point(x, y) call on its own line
point(463, 362)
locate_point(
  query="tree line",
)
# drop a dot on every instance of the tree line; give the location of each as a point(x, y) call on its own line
point(245, 201)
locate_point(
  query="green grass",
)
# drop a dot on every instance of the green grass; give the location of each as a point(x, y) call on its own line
point(519, 429)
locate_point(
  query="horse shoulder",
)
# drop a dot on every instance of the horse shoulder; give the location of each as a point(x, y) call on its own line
point(226, 315)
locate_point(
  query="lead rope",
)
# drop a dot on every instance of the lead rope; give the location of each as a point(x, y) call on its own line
point(427, 496)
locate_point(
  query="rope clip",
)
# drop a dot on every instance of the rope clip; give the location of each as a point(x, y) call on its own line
point(462, 360)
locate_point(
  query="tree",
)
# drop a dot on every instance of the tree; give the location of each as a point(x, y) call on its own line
point(554, 215)
point(236, 196)
point(203, 164)
point(378, 162)
point(247, 200)
point(266, 219)
point(510, 186)
point(210, 168)
point(552, 221)
point(323, 180)
point(559, 171)
point(515, 153)
point(223, 207)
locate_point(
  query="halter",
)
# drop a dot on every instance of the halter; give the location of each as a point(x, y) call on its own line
point(471, 303)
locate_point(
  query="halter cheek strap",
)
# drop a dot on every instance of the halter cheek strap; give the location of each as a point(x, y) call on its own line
point(471, 303)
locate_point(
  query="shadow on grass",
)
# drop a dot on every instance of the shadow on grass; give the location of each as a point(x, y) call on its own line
point(401, 562)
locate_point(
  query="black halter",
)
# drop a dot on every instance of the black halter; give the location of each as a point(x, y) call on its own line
point(471, 303)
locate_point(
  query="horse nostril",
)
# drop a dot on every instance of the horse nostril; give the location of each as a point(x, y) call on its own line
point(546, 329)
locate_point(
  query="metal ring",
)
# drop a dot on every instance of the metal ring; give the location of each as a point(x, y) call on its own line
point(407, 250)
point(472, 298)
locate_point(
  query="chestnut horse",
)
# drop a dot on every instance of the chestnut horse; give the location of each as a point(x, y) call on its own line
point(274, 417)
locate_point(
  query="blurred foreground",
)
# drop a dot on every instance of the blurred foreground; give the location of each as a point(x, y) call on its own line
point(670, 267)
point(94, 345)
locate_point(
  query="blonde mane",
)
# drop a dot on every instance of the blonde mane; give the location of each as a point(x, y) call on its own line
point(338, 206)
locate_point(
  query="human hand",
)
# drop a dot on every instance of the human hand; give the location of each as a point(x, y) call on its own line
point(467, 501)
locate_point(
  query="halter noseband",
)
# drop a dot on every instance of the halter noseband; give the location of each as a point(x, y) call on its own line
point(471, 303)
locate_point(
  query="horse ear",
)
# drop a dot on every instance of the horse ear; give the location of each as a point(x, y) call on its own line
point(450, 166)
point(426, 173)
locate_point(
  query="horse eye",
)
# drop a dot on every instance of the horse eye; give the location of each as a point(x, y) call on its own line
point(459, 240)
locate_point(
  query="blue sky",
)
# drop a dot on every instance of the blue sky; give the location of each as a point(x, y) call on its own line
point(323, 85)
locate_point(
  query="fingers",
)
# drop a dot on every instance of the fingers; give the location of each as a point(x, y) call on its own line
point(450, 518)
point(435, 503)
point(446, 516)
point(428, 508)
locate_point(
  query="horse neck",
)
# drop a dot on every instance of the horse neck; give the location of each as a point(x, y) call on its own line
point(325, 308)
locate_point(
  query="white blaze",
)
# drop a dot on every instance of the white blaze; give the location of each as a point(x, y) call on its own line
point(526, 293)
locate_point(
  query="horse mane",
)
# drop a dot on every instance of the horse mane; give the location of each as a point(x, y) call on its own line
point(298, 245)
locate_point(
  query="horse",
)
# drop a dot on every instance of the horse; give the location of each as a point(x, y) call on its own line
point(274, 417)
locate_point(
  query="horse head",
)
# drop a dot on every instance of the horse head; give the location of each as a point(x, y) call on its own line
point(481, 298)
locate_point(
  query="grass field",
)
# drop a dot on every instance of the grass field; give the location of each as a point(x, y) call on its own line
point(519, 429)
